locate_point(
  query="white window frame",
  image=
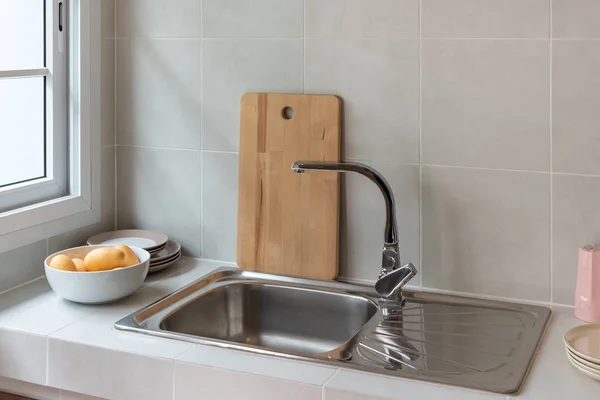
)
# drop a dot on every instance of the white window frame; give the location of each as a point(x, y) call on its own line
point(81, 207)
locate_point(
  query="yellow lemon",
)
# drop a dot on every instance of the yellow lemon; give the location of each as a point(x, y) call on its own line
point(130, 257)
point(63, 263)
point(104, 259)
point(79, 265)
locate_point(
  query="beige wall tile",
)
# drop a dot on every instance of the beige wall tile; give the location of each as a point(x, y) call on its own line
point(158, 18)
point(219, 204)
point(575, 18)
point(107, 95)
point(391, 19)
point(160, 189)
point(576, 102)
point(108, 18)
point(378, 79)
point(575, 223)
point(486, 18)
point(252, 19)
point(486, 103)
point(233, 67)
point(22, 265)
point(486, 232)
point(159, 93)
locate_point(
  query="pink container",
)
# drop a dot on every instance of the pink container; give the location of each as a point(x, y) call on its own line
point(587, 293)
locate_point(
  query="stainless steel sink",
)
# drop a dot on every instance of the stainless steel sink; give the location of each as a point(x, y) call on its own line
point(298, 320)
point(480, 344)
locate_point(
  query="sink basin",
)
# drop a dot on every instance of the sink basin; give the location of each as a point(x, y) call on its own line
point(479, 344)
point(274, 317)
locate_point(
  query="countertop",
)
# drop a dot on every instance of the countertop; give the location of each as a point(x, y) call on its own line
point(47, 341)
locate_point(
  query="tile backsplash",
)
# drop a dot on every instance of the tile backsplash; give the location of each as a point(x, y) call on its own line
point(482, 114)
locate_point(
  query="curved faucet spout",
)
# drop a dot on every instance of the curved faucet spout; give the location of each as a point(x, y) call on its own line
point(391, 229)
point(392, 277)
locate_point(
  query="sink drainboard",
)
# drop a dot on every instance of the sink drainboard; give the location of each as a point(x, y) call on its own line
point(480, 344)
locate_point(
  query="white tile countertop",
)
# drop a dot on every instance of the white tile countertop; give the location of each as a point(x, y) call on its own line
point(50, 342)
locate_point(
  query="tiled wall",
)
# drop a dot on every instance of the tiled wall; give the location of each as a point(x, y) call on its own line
point(483, 115)
point(26, 263)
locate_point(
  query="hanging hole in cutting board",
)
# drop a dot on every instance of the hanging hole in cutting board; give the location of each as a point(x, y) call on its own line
point(287, 113)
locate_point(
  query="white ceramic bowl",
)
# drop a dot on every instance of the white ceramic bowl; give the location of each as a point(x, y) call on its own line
point(97, 287)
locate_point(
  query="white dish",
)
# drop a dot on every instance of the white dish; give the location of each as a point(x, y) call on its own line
point(170, 260)
point(163, 259)
point(585, 370)
point(147, 240)
point(164, 265)
point(97, 287)
point(583, 361)
point(156, 250)
point(584, 341)
point(174, 258)
point(170, 250)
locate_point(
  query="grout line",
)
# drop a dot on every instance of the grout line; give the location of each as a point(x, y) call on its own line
point(47, 377)
point(550, 112)
point(22, 284)
point(116, 178)
point(575, 174)
point(173, 391)
point(421, 267)
point(485, 169)
point(385, 162)
point(220, 151)
point(474, 295)
point(115, 110)
point(201, 129)
point(201, 19)
point(180, 149)
point(249, 38)
point(202, 225)
point(158, 147)
point(304, 46)
point(337, 371)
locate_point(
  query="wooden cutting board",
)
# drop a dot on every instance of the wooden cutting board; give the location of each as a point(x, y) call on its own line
point(288, 222)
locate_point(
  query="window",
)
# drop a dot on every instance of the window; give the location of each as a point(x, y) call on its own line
point(33, 102)
point(49, 108)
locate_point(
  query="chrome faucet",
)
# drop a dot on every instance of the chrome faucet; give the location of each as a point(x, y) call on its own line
point(393, 276)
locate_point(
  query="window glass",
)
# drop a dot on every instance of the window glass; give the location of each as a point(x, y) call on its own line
point(21, 130)
point(21, 34)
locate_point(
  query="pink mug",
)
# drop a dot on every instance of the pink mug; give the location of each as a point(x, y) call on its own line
point(587, 294)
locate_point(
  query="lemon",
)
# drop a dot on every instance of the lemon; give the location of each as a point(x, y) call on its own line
point(79, 265)
point(130, 257)
point(104, 259)
point(63, 263)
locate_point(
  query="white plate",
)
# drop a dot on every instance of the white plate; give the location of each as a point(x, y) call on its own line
point(147, 240)
point(171, 249)
point(162, 266)
point(174, 257)
point(585, 370)
point(584, 341)
point(156, 250)
point(583, 360)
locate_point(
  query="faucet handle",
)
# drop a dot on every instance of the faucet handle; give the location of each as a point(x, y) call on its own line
point(390, 284)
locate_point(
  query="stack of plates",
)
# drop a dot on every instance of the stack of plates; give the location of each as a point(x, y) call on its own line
point(165, 257)
point(163, 252)
point(583, 349)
